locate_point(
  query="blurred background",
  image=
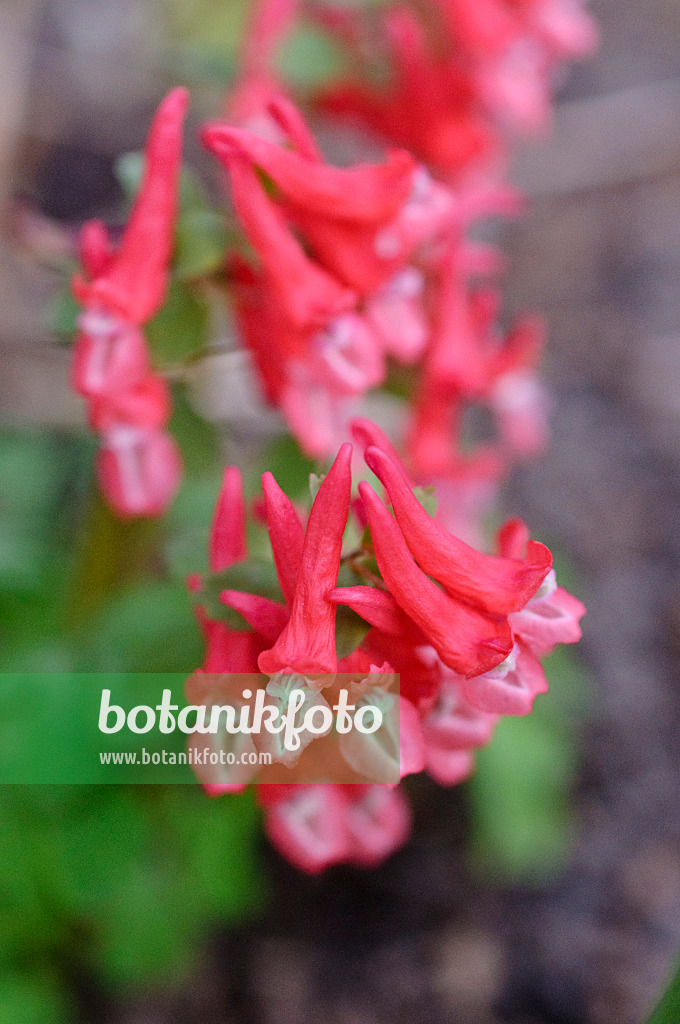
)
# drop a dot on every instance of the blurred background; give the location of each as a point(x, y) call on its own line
point(545, 891)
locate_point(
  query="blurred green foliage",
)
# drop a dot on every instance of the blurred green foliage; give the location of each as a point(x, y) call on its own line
point(668, 1010)
point(108, 882)
point(522, 822)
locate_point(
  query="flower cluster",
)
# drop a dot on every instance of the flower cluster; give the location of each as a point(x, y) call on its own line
point(364, 267)
point(357, 268)
point(355, 278)
point(338, 288)
point(460, 72)
point(465, 631)
point(139, 465)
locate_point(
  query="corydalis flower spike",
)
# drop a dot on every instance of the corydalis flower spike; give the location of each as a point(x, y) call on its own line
point(228, 533)
point(307, 644)
point(135, 283)
point(286, 534)
point(498, 585)
point(467, 640)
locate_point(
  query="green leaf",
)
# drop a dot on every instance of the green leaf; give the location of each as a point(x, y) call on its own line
point(148, 628)
point(129, 170)
point(181, 329)
point(32, 997)
point(428, 499)
point(201, 243)
point(668, 1009)
point(62, 314)
point(309, 58)
point(205, 25)
point(255, 576)
point(521, 818)
point(290, 466)
point(350, 631)
point(198, 440)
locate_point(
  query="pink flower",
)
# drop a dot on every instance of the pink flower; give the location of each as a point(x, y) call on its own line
point(109, 355)
point(552, 616)
point(511, 687)
point(139, 466)
point(133, 282)
point(396, 314)
point(565, 28)
point(145, 406)
point(139, 471)
point(306, 824)
point(317, 826)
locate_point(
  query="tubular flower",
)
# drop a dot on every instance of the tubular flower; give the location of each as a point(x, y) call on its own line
point(494, 584)
point(468, 639)
point(515, 589)
point(227, 649)
point(457, 78)
point(307, 644)
point(135, 279)
point(467, 360)
point(513, 47)
point(430, 105)
point(314, 378)
point(321, 326)
point(248, 103)
point(139, 464)
point(340, 211)
point(466, 652)
point(453, 729)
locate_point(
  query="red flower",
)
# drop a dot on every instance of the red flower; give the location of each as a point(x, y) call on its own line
point(340, 211)
point(430, 106)
point(139, 471)
point(493, 584)
point(139, 465)
point(471, 641)
point(134, 281)
point(228, 649)
point(307, 644)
